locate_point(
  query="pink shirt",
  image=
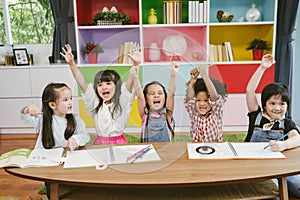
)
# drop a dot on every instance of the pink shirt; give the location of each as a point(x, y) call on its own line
point(207, 128)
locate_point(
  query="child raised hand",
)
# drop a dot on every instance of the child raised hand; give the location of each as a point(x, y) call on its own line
point(204, 101)
point(267, 61)
point(135, 55)
point(156, 107)
point(107, 100)
point(268, 122)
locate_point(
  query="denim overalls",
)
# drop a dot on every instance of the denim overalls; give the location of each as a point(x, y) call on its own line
point(260, 135)
point(156, 128)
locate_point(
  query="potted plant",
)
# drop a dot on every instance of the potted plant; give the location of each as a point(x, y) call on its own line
point(111, 18)
point(92, 50)
point(258, 46)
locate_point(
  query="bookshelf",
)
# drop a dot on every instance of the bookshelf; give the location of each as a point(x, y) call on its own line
point(198, 37)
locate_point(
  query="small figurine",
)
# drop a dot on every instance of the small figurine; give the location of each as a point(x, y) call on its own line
point(224, 16)
point(105, 9)
point(113, 9)
point(152, 18)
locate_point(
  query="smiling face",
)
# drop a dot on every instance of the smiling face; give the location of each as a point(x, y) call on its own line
point(155, 97)
point(63, 105)
point(202, 103)
point(106, 90)
point(275, 107)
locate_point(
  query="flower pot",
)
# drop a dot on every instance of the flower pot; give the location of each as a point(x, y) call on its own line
point(93, 58)
point(257, 54)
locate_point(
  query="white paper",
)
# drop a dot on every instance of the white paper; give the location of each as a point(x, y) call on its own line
point(44, 157)
point(245, 150)
point(108, 156)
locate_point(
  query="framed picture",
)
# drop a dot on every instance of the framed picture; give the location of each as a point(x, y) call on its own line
point(21, 56)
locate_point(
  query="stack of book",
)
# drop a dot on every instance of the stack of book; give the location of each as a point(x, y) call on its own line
point(197, 12)
point(221, 53)
point(172, 12)
point(124, 50)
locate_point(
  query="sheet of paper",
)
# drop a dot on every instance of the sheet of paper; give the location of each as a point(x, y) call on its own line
point(108, 155)
point(255, 150)
point(209, 151)
point(227, 150)
point(44, 157)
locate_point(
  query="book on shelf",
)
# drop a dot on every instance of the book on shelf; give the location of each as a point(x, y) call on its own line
point(231, 150)
point(172, 11)
point(25, 157)
point(121, 52)
point(197, 12)
point(120, 154)
point(125, 49)
point(229, 49)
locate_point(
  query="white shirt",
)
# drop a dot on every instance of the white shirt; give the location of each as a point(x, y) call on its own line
point(106, 126)
point(59, 125)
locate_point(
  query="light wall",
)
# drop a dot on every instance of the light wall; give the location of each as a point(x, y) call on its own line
point(296, 72)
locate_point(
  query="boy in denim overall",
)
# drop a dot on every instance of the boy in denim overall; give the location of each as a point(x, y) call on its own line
point(270, 123)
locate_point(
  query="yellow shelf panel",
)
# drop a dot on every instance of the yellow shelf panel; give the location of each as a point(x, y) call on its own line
point(240, 36)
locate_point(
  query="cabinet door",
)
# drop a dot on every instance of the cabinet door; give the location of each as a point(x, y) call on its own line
point(40, 77)
point(10, 112)
point(15, 82)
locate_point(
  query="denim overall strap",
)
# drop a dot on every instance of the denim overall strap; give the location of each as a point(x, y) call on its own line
point(260, 135)
point(156, 129)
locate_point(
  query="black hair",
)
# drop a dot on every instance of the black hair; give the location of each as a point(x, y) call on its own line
point(107, 76)
point(51, 94)
point(275, 89)
point(200, 86)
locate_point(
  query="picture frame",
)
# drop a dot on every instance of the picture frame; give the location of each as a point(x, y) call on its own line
point(21, 56)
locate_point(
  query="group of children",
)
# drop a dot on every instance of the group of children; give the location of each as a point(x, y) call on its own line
point(109, 102)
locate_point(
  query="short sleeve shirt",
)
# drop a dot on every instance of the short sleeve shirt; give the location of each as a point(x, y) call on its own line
point(288, 124)
point(207, 128)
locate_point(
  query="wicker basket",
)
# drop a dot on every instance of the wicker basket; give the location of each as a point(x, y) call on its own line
point(107, 23)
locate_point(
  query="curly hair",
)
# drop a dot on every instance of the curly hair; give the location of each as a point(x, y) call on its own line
point(200, 86)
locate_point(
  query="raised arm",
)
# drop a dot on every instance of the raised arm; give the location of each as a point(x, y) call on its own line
point(190, 93)
point(136, 58)
point(67, 54)
point(134, 71)
point(251, 99)
point(208, 83)
point(172, 87)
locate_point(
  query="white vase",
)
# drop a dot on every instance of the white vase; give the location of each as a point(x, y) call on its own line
point(154, 52)
point(253, 14)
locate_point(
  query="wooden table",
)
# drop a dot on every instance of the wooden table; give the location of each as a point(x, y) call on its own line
point(173, 170)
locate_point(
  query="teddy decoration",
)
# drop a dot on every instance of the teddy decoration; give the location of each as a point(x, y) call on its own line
point(224, 16)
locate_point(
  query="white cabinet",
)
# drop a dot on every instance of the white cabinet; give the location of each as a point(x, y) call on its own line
point(21, 86)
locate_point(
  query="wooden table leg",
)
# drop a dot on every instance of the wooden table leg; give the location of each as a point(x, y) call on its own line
point(54, 193)
point(283, 190)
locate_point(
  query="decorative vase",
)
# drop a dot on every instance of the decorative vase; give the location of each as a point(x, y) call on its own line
point(152, 18)
point(154, 52)
point(257, 54)
point(253, 14)
point(93, 58)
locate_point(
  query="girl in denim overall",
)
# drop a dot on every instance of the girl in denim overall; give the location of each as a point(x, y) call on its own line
point(156, 127)
point(270, 123)
point(156, 108)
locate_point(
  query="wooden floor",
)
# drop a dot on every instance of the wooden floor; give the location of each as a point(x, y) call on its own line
point(12, 187)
